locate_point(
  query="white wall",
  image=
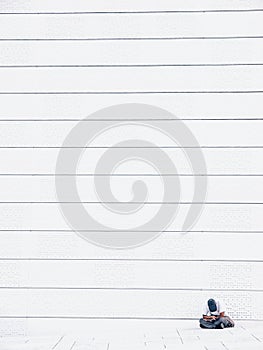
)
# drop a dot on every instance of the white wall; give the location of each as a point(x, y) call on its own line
point(61, 61)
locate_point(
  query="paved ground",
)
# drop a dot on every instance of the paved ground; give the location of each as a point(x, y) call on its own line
point(246, 335)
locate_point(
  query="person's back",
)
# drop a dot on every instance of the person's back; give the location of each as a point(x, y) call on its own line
point(214, 315)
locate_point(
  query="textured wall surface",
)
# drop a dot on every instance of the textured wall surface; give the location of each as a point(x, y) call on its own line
point(63, 60)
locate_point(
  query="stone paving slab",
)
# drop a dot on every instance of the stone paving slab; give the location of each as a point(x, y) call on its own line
point(180, 336)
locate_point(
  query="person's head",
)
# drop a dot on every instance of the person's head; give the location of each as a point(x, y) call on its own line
point(212, 305)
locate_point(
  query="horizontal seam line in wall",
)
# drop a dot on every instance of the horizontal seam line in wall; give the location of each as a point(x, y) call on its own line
point(97, 318)
point(120, 175)
point(131, 147)
point(133, 65)
point(116, 318)
point(165, 231)
point(134, 260)
point(132, 203)
point(136, 289)
point(130, 12)
point(136, 39)
point(131, 92)
point(131, 119)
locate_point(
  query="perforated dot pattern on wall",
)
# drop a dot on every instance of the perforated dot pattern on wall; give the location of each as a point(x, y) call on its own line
point(230, 276)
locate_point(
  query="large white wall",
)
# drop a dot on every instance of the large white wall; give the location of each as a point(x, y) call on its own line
point(200, 60)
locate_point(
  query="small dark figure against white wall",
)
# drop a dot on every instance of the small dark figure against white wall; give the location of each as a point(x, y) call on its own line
point(214, 315)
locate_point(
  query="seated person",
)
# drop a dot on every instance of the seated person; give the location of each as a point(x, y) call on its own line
point(214, 315)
